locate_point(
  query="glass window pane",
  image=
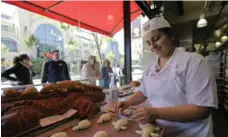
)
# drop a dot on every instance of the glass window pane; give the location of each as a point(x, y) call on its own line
point(48, 36)
point(10, 44)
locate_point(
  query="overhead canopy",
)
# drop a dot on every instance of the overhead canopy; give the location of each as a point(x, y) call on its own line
point(104, 17)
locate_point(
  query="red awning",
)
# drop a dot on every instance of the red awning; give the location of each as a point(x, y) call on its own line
point(104, 17)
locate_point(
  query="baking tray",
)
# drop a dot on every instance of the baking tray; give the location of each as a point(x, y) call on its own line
point(25, 134)
point(38, 130)
point(62, 126)
point(130, 132)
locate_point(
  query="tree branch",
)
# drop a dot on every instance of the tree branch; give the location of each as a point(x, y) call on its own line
point(97, 44)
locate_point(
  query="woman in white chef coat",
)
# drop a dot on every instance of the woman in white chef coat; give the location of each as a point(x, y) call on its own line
point(179, 87)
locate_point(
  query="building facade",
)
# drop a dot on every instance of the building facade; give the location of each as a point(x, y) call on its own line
point(19, 25)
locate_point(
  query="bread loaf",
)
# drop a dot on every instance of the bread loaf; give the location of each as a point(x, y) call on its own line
point(18, 120)
point(30, 91)
point(64, 86)
point(50, 88)
point(22, 113)
point(70, 85)
point(85, 107)
point(93, 95)
point(53, 106)
point(135, 84)
point(91, 87)
point(11, 93)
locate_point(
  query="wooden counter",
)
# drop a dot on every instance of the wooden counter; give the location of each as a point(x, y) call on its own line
point(96, 127)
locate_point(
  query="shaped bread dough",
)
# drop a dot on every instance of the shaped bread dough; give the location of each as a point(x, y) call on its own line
point(104, 118)
point(154, 134)
point(141, 126)
point(156, 129)
point(60, 134)
point(140, 132)
point(82, 125)
point(101, 134)
point(128, 112)
point(120, 124)
point(147, 130)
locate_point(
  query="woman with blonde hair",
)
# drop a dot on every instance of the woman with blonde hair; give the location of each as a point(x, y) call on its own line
point(105, 70)
point(91, 69)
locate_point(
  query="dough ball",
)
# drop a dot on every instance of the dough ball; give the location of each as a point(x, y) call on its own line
point(101, 134)
point(140, 132)
point(154, 135)
point(104, 118)
point(141, 126)
point(119, 124)
point(147, 131)
point(60, 134)
point(156, 129)
point(82, 125)
point(128, 112)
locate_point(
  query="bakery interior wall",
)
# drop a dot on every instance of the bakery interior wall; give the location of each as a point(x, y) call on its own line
point(184, 23)
point(187, 34)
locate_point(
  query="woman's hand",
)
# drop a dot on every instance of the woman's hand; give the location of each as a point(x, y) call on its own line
point(145, 115)
point(27, 64)
point(121, 106)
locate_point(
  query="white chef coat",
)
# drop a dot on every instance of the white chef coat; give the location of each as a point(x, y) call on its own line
point(185, 79)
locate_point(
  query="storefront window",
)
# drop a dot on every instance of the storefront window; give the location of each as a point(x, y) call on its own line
point(5, 28)
point(11, 44)
point(50, 38)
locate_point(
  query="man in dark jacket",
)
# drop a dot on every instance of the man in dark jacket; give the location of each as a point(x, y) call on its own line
point(55, 70)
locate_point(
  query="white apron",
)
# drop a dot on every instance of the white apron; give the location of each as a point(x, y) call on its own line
point(168, 88)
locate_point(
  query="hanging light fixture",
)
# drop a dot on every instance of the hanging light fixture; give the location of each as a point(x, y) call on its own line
point(224, 26)
point(218, 33)
point(202, 22)
point(202, 47)
point(152, 6)
point(217, 44)
point(197, 46)
point(224, 38)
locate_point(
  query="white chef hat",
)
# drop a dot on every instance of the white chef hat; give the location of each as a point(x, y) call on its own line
point(154, 24)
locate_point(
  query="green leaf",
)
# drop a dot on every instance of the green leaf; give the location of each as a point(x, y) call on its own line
point(4, 49)
point(31, 40)
point(64, 26)
point(110, 55)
